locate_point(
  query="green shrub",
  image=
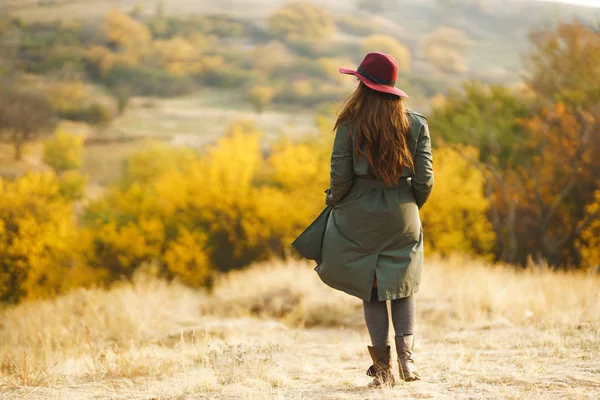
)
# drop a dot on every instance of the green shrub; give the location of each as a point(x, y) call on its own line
point(228, 77)
point(147, 81)
point(55, 59)
point(215, 24)
point(94, 114)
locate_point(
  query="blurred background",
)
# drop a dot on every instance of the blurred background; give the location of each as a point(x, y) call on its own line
point(157, 159)
point(195, 136)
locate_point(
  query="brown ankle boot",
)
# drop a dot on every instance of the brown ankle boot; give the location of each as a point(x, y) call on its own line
point(381, 370)
point(406, 364)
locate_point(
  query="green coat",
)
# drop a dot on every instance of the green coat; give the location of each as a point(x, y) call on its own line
point(372, 227)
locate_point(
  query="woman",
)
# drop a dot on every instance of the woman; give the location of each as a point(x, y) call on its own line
point(381, 175)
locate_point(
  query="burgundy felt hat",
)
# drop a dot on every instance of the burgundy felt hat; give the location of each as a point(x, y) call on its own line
point(379, 72)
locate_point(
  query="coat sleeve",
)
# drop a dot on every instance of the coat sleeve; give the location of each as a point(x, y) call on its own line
point(342, 167)
point(422, 180)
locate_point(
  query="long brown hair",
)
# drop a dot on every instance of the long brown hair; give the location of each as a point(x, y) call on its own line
point(382, 130)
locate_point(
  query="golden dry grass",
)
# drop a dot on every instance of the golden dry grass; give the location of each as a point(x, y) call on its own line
point(275, 331)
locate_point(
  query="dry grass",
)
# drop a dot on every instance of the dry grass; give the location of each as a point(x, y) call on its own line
point(275, 331)
point(203, 117)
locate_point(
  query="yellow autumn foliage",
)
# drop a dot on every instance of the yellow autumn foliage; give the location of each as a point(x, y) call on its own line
point(64, 151)
point(178, 56)
point(192, 213)
point(131, 39)
point(301, 20)
point(454, 217)
point(260, 97)
point(184, 260)
point(38, 239)
point(105, 59)
point(126, 32)
point(589, 242)
point(66, 95)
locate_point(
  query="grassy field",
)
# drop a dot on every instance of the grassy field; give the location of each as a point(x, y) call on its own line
point(275, 331)
point(202, 118)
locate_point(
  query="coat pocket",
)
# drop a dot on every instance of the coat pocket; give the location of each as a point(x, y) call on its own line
point(340, 233)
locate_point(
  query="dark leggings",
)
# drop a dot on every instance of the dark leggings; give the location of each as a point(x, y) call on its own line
point(377, 319)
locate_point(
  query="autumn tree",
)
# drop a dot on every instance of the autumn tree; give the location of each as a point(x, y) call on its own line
point(445, 47)
point(125, 32)
point(455, 219)
point(534, 169)
point(562, 71)
point(39, 241)
point(563, 67)
point(540, 161)
point(389, 45)
point(301, 20)
point(64, 152)
point(487, 118)
point(260, 97)
point(25, 116)
point(588, 243)
point(553, 178)
point(128, 41)
point(178, 56)
point(268, 57)
point(563, 64)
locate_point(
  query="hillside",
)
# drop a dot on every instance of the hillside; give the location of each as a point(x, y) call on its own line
point(483, 332)
point(498, 29)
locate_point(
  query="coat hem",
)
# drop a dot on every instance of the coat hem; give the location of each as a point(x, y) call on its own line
point(342, 288)
point(413, 289)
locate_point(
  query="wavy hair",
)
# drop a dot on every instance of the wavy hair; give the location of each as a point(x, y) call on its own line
point(382, 129)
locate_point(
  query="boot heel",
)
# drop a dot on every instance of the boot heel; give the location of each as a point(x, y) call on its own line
point(406, 364)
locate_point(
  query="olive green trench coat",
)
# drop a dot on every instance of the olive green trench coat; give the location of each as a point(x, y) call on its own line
point(368, 227)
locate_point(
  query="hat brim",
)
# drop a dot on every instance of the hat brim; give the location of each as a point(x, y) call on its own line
point(375, 86)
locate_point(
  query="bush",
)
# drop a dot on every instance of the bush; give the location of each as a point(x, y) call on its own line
point(297, 20)
point(63, 151)
point(302, 93)
point(94, 114)
point(64, 95)
point(194, 213)
point(460, 225)
point(72, 185)
point(220, 25)
point(38, 238)
point(54, 60)
point(310, 48)
point(228, 77)
point(178, 56)
point(147, 81)
point(260, 97)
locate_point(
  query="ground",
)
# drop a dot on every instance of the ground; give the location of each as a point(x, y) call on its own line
point(482, 333)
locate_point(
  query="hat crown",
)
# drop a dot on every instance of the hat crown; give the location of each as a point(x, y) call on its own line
point(380, 68)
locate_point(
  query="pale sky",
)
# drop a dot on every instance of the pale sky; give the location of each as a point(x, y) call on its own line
point(588, 3)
